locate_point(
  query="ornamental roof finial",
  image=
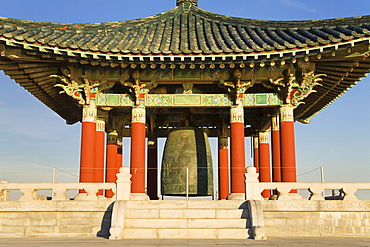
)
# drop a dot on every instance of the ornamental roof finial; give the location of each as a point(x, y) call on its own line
point(193, 2)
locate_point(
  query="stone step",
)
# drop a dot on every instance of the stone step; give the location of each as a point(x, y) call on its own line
point(191, 204)
point(185, 213)
point(185, 223)
point(186, 233)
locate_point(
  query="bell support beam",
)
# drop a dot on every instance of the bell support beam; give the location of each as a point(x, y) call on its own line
point(237, 152)
point(137, 157)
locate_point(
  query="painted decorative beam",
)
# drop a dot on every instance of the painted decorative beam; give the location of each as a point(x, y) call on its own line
point(187, 100)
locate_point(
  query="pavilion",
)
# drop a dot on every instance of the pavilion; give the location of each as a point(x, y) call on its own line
point(232, 77)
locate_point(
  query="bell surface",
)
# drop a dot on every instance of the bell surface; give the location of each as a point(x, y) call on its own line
point(187, 147)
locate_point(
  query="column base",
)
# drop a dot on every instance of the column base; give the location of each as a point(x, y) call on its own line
point(236, 196)
point(139, 197)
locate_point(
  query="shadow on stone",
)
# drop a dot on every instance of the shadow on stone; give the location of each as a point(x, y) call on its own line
point(246, 215)
point(106, 223)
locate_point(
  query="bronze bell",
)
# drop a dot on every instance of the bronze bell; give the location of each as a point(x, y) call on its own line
point(187, 147)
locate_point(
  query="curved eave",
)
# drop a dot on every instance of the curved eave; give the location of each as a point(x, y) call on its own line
point(188, 58)
point(342, 75)
point(184, 31)
point(35, 78)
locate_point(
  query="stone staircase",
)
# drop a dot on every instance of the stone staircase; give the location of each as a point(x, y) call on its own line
point(186, 219)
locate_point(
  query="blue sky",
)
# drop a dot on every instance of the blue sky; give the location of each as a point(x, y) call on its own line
point(33, 139)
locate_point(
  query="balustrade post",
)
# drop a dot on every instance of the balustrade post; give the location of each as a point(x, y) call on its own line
point(123, 184)
point(4, 194)
point(252, 188)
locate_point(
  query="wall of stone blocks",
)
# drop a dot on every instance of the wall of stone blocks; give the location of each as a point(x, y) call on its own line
point(19, 219)
point(317, 224)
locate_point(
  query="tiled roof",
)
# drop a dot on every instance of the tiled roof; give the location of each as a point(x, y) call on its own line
point(183, 35)
point(186, 29)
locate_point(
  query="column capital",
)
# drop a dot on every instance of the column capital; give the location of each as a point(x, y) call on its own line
point(286, 113)
point(152, 143)
point(275, 123)
point(138, 114)
point(100, 125)
point(255, 142)
point(112, 138)
point(89, 113)
point(237, 114)
point(223, 142)
point(264, 137)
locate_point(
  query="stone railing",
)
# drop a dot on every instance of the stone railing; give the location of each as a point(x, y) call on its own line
point(254, 188)
point(30, 191)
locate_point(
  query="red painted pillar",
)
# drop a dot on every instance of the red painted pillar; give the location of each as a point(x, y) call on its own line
point(119, 153)
point(111, 163)
point(275, 150)
point(223, 167)
point(100, 152)
point(152, 173)
point(138, 150)
point(237, 150)
point(256, 160)
point(287, 144)
point(264, 160)
point(88, 133)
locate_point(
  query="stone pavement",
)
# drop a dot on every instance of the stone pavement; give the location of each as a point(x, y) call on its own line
point(98, 242)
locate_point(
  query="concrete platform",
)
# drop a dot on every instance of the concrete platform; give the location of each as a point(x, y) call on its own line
point(98, 242)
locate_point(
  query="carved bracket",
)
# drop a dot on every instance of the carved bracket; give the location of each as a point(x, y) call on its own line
point(71, 88)
point(299, 91)
point(293, 91)
point(239, 86)
point(140, 89)
point(74, 90)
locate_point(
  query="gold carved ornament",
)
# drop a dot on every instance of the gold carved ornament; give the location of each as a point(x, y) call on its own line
point(293, 91)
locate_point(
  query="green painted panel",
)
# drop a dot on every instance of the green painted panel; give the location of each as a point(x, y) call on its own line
point(261, 99)
point(113, 100)
point(187, 100)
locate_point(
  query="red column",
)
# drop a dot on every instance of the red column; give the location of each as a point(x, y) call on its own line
point(88, 132)
point(119, 153)
point(237, 151)
point(152, 173)
point(275, 150)
point(99, 152)
point(287, 144)
point(111, 156)
point(223, 168)
point(256, 160)
point(138, 150)
point(264, 160)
